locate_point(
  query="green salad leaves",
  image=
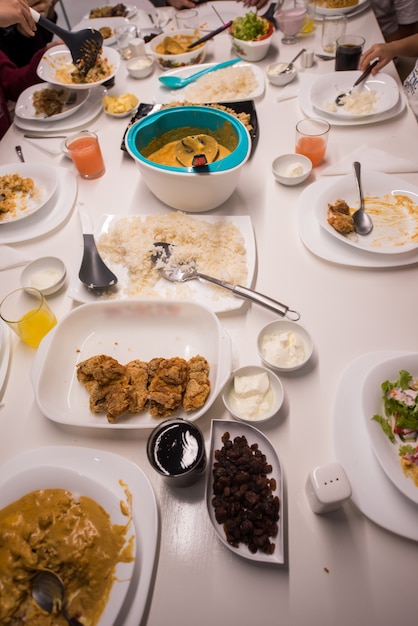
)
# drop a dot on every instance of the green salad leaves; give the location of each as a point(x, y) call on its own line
point(250, 27)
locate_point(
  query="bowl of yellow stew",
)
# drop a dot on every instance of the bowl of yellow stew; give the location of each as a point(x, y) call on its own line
point(170, 50)
point(190, 157)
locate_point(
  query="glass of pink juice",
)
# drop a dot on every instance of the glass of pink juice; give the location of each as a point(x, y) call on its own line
point(84, 150)
point(312, 138)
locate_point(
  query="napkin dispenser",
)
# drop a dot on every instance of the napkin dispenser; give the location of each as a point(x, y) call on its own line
point(327, 488)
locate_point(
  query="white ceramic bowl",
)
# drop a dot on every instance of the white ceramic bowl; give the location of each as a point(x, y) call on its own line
point(291, 169)
point(274, 398)
point(284, 345)
point(46, 274)
point(252, 50)
point(173, 61)
point(140, 67)
point(280, 80)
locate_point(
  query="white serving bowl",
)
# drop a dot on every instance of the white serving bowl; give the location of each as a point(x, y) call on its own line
point(274, 399)
point(284, 345)
point(286, 168)
point(46, 274)
point(253, 50)
point(140, 67)
point(280, 80)
point(173, 61)
point(186, 188)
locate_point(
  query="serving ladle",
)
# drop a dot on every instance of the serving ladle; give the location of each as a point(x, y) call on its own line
point(94, 273)
point(49, 592)
point(180, 273)
point(362, 221)
point(339, 100)
point(174, 82)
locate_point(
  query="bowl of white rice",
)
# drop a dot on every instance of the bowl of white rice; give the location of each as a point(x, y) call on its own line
point(190, 188)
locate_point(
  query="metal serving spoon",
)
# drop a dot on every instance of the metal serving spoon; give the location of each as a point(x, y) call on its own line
point(174, 82)
point(289, 66)
point(49, 592)
point(339, 99)
point(183, 273)
point(362, 220)
point(94, 273)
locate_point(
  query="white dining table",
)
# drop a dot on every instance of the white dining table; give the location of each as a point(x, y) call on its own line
point(341, 567)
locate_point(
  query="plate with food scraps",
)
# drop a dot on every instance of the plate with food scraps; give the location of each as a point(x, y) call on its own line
point(375, 95)
point(392, 204)
point(56, 67)
point(105, 25)
point(274, 529)
point(389, 446)
point(48, 102)
point(208, 20)
point(335, 7)
point(26, 188)
point(125, 331)
point(127, 11)
point(242, 81)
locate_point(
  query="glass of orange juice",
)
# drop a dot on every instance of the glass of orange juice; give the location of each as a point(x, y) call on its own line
point(27, 313)
point(84, 150)
point(312, 138)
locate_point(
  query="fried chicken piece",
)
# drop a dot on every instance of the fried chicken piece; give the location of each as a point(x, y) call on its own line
point(102, 368)
point(167, 385)
point(137, 390)
point(198, 384)
point(339, 217)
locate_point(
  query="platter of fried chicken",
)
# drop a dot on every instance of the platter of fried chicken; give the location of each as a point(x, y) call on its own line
point(128, 364)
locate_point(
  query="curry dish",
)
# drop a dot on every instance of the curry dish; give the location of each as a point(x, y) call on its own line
point(73, 537)
point(176, 44)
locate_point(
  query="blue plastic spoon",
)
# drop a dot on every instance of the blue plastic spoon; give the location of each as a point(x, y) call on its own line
point(174, 82)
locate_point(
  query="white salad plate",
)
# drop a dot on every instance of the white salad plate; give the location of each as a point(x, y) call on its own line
point(326, 88)
point(58, 58)
point(125, 330)
point(165, 95)
point(52, 215)
point(253, 435)
point(105, 477)
point(45, 180)
point(328, 248)
point(361, 5)
point(395, 221)
point(26, 110)
point(213, 298)
point(372, 492)
point(131, 11)
point(103, 22)
point(372, 401)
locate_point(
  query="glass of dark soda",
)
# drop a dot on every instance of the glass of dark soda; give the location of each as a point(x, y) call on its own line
point(348, 52)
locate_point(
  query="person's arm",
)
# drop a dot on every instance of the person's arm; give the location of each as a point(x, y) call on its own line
point(385, 52)
point(17, 12)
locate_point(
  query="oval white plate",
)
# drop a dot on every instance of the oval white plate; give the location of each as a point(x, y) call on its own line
point(372, 403)
point(102, 22)
point(131, 9)
point(253, 435)
point(59, 58)
point(46, 181)
point(26, 110)
point(324, 11)
point(393, 233)
point(329, 86)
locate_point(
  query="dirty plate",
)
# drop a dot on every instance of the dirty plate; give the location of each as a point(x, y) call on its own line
point(45, 183)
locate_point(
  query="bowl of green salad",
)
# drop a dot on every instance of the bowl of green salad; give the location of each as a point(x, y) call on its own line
point(251, 36)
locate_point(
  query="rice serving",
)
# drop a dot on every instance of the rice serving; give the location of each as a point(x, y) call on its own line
point(228, 83)
point(357, 103)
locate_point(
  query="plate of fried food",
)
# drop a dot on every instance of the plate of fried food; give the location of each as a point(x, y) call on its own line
point(127, 364)
point(24, 189)
point(49, 102)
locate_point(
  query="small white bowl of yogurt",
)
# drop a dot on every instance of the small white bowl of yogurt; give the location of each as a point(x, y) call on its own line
point(47, 274)
point(275, 77)
point(140, 67)
point(253, 394)
point(291, 169)
point(284, 345)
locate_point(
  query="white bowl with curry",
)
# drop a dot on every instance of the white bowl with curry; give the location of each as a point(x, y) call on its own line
point(170, 49)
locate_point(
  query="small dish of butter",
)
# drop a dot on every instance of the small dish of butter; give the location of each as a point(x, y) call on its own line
point(291, 169)
point(284, 345)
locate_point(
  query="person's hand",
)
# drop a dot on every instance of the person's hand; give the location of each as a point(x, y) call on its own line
point(44, 7)
point(17, 12)
point(381, 51)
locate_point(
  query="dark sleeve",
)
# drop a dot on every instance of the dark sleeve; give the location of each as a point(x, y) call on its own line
point(15, 79)
point(19, 48)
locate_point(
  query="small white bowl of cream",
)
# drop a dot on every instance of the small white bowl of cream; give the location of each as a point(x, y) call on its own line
point(284, 345)
point(253, 394)
point(46, 274)
point(291, 169)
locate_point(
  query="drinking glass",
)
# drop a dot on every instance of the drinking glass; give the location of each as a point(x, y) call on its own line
point(348, 52)
point(187, 18)
point(290, 22)
point(84, 150)
point(27, 313)
point(312, 138)
point(124, 35)
point(333, 27)
point(309, 21)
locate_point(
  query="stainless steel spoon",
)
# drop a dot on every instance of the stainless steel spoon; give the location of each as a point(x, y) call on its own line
point(289, 66)
point(362, 220)
point(174, 82)
point(94, 273)
point(19, 153)
point(182, 273)
point(339, 100)
point(49, 592)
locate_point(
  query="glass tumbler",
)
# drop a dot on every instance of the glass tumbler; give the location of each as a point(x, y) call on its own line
point(333, 27)
point(28, 314)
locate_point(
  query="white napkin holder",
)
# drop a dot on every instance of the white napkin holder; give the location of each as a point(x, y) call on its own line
point(327, 488)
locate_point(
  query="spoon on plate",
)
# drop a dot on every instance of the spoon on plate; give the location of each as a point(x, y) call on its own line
point(49, 592)
point(174, 82)
point(362, 221)
point(289, 66)
point(339, 100)
point(180, 273)
point(94, 273)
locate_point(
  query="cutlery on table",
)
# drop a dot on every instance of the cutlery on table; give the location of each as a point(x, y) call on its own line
point(289, 66)
point(174, 82)
point(325, 57)
point(362, 221)
point(339, 99)
point(94, 273)
point(20, 153)
point(180, 273)
point(210, 35)
point(29, 136)
point(48, 591)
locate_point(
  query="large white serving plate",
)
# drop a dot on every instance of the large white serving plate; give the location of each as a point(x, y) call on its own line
point(200, 291)
point(253, 435)
point(26, 110)
point(372, 492)
point(372, 403)
point(395, 228)
point(356, 8)
point(59, 58)
point(45, 180)
point(104, 477)
point(131, 11)
point(103, 22)
point(208, 20)
point(165, 95)
point(125, 330)
point(326, 88)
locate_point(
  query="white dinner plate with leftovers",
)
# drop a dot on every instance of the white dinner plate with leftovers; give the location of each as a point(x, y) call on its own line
point(130, 11)
point(107, 478)
point(335, 7)
point(392, 204)
point(26, 187)
point(372, 492)
point(56, 66)
point(253, 436)
point(224, 85)
point(125, 330)
point(373, 96)
point(208, 20)
point(394, 452)
point(125, 262)
point(105, 25)
point(61, 99)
